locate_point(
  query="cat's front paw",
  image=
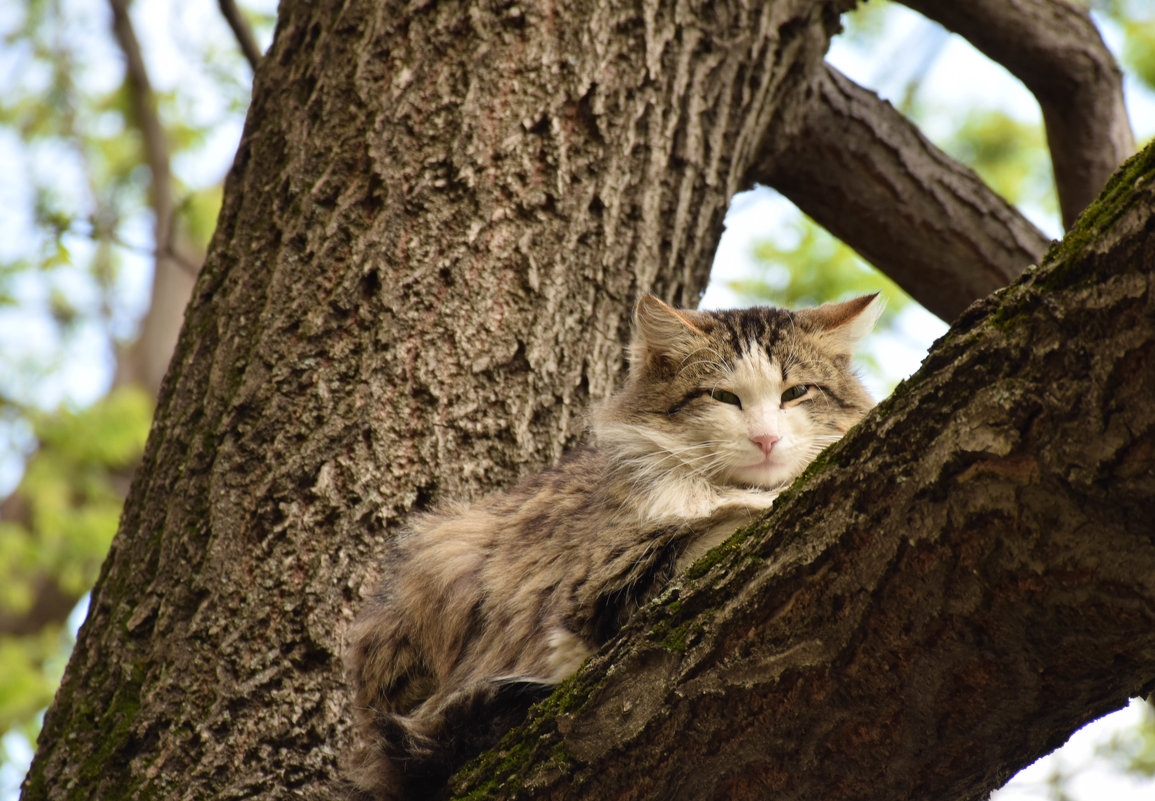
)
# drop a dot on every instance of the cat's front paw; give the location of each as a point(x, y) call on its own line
point(760, 499)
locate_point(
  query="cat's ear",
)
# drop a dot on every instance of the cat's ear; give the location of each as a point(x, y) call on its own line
point(842, 325)
point(664, 335)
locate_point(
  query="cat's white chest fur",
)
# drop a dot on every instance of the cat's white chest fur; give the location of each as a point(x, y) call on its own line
point(722, 510)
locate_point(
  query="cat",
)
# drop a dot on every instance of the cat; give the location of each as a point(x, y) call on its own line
point(484, 608)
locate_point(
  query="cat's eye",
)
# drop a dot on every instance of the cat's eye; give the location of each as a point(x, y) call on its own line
point(723, 396)
point(794, 393)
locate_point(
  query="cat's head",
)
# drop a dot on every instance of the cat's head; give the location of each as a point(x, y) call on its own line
point(744, 397)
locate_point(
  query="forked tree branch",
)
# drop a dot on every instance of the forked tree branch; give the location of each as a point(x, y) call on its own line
point(868, 175)
point(1054, 48)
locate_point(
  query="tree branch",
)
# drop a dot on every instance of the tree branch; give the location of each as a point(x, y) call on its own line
point(242, 31)
point(1054, 48)
point(143, 103)
point(867, 175)
point(145, 362)
point(974, 581)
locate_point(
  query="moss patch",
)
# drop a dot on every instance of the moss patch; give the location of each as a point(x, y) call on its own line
point(113, 733)
point(719, 552)
point(116, 723)
point(1065, 261)
point(674, 633)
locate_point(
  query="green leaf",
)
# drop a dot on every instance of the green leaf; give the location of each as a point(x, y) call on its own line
point(111, 432)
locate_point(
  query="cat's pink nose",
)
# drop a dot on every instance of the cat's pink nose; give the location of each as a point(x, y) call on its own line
point(765, 442)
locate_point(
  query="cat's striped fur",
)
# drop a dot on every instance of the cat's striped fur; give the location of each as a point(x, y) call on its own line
point(482, 606)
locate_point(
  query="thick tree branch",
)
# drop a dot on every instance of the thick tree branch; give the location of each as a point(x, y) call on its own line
point(867, 174)
point(242, 31)
point(1054, 48)
point(973, 582)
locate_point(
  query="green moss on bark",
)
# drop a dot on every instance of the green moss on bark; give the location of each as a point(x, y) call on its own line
point(114, 735)
point(1066, 265)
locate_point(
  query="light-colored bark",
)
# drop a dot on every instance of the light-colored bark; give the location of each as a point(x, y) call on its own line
point(174, 269)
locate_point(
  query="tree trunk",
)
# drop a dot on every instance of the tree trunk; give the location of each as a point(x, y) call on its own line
point(962, 581)
point(431, 237)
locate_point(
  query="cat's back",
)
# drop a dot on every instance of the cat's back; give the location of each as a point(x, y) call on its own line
point(487, 567)
point(540, 512)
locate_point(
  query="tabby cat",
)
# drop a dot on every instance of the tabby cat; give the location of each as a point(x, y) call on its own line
point(483, 608)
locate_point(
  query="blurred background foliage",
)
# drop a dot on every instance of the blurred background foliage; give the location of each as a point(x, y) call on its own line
point(82, 275)
point(88, 311)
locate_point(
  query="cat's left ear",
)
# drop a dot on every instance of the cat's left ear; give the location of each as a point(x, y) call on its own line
point(843, 325)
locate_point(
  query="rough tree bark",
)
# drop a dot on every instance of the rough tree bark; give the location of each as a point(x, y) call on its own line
point(431, 237)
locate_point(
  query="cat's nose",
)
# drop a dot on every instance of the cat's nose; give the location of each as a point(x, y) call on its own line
point(765, 442)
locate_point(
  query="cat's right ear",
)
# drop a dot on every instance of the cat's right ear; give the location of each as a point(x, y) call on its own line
point(664, 336)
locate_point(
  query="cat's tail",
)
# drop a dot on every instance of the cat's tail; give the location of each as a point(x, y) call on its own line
point(411, 756)
point(389, 677)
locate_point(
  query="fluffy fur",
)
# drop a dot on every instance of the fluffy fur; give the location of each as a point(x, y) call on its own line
point(485, 607)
